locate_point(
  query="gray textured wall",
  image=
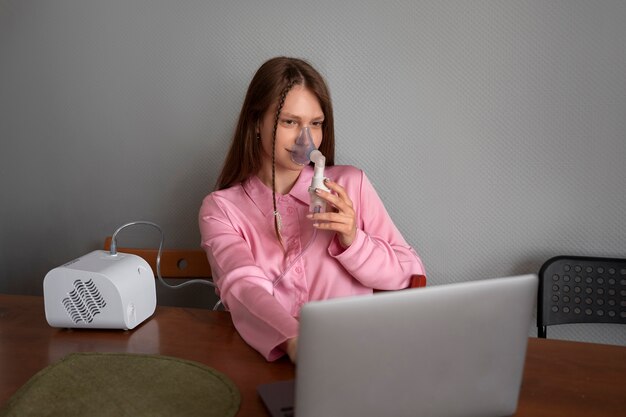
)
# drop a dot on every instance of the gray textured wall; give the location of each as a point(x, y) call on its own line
point(495, 131)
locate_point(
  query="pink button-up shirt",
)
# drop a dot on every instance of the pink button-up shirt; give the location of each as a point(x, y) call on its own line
point(264, 284)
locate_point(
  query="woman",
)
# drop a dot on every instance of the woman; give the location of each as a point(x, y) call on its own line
point(269, 255)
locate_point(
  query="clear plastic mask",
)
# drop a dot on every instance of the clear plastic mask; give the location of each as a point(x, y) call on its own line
point(301, 150)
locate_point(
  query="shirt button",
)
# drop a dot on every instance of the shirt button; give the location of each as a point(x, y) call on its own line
point(290, 210)
point(298, 270)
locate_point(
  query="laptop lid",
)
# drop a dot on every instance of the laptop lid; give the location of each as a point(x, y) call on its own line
point(448, 350)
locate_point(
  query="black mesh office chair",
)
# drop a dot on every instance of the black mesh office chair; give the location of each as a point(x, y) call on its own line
point(577, 289)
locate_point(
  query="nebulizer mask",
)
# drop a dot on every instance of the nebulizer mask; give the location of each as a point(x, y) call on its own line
point(303, 152)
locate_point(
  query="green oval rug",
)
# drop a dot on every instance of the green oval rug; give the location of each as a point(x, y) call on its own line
point(119, 384)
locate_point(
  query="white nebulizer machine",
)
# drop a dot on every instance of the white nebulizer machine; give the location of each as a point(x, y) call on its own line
point(303, 152)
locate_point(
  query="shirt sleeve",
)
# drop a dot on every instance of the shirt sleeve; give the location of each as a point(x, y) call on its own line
point(244, 289)
point(379, 257)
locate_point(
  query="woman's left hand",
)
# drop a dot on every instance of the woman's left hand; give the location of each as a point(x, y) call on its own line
point(342, 219)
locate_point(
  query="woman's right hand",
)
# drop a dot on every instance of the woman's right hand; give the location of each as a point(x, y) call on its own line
point(291, 347)
point(342, 220)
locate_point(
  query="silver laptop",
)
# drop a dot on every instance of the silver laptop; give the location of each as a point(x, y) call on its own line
point(448, 350)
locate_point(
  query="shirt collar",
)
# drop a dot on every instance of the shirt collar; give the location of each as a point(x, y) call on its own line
point(261, 195)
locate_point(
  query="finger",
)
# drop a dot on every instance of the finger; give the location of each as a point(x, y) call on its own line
point(328, 216)
point(341, 192)
point(333, 221)
point(340, 228)
point(335, 200)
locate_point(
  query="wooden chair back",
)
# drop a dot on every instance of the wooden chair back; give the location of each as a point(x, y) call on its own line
point(175, 263)
point(417, 281)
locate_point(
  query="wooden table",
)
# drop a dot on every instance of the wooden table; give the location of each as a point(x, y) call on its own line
point(560, 379)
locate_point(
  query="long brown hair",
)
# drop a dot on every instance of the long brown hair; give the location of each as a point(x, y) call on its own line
point(269, 87)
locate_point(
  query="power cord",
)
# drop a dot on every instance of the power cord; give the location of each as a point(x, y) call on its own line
point(113, 252)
